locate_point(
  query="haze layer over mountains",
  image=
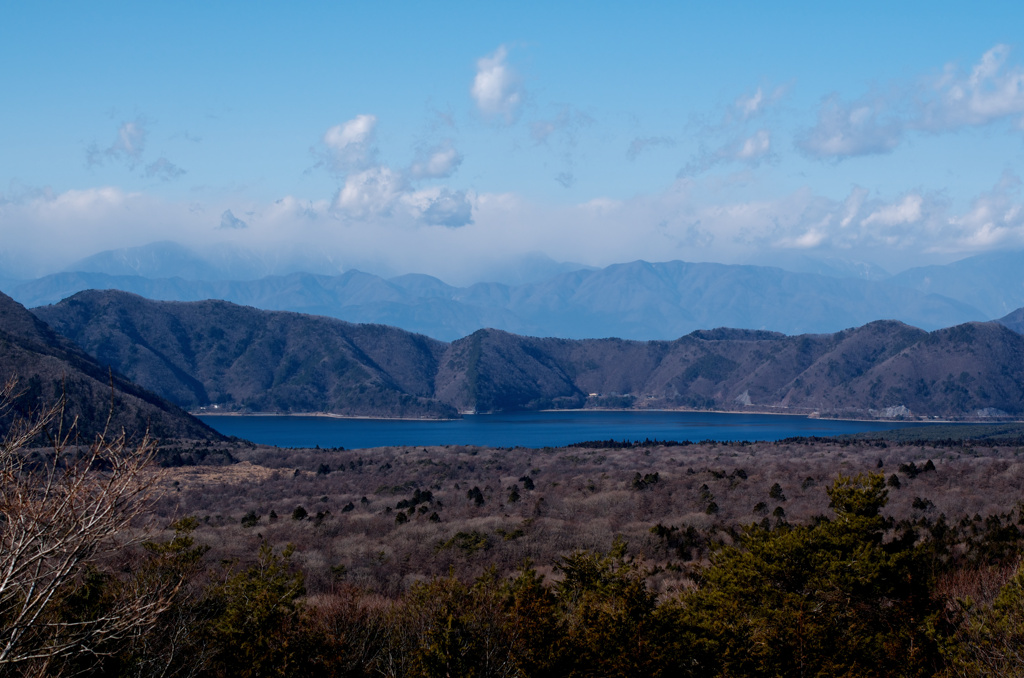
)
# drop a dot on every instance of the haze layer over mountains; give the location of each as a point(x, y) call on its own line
point(638, 300)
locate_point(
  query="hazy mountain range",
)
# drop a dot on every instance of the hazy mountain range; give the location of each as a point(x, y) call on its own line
point(200, 354)
point(637, 300)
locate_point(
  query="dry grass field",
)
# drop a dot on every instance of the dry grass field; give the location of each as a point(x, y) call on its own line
point(382, 519)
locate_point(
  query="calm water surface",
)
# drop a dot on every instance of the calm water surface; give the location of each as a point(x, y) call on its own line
point(530, 429)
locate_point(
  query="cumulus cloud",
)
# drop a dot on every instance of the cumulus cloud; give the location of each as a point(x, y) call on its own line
point(369, 193)
point(851, 129)
point(350, 145)
point(497, 88)
point(449, 208)
point(229, 220)
point(373, 192)
point(438, 162)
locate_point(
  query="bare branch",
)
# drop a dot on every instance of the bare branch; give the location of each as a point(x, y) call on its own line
point(62, 510)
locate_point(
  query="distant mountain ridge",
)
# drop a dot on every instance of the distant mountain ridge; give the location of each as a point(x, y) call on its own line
point(639, 300)
point(1014, 320)
point(243, 359)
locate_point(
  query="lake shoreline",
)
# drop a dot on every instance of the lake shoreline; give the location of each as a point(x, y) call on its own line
point(772, 413)
point(537, 429)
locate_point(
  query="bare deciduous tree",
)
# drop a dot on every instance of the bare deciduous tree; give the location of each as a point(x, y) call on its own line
point(62, 511)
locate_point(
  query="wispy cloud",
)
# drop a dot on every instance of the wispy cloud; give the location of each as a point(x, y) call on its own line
point(849, 129)
point(127, 146)
point(991, 92)
point(750, 106)
point(641, 145)
point(562, 134)
point(436, 162)
point(229, 220)
point(742, 134)
point(164, 169)
point(497, 88)
point(906, 211)
point(751, 150)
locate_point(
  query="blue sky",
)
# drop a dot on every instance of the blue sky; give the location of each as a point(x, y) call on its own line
point(453, 138)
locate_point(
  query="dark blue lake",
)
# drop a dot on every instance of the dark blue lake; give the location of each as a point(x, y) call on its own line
point(530, 429)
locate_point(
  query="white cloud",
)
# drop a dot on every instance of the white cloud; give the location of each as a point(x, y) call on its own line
point(906, 211)
point(351, 144)
point(369, 193)
point(751, 150)
point(992, 91)
point(812, 238)
point(436, 163)
point(497, 88)
point(460, 236)
point(994, 219)
point(844, 130)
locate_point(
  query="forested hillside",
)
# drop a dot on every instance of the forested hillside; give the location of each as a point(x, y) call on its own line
point(201, 354)
point(47, 370)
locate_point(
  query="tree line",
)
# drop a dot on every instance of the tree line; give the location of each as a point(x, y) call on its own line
point(85, 591)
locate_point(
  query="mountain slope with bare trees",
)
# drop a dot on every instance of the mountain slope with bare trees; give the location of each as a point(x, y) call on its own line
point(201, 354)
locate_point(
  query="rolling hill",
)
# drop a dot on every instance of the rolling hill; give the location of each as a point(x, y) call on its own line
point(201, 354)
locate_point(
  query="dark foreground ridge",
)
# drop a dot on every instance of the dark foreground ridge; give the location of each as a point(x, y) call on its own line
point(48, 368)
point(214, 354)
